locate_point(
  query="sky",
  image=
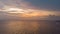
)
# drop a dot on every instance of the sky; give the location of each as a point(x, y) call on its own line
point(37, 7)
point(40, 4)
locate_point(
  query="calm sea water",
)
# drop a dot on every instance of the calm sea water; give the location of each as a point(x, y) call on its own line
point(29, 27)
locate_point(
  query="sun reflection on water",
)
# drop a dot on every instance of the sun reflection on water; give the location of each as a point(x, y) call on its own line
point(22, 26)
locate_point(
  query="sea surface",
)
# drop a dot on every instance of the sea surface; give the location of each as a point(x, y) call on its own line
point(29, 27)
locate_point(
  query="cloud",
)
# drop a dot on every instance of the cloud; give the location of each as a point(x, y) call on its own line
point(53, 5)
point(47, 7)
point(13, 3)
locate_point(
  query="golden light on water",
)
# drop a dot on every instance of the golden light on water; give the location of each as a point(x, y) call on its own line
point(15, 26)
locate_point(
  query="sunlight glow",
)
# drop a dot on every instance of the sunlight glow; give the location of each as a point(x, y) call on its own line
point(15, 9)
point(27, 12)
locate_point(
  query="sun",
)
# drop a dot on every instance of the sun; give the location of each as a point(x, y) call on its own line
point(15, 9)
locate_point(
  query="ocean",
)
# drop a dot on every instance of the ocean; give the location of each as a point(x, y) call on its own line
point(29, 27)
